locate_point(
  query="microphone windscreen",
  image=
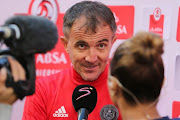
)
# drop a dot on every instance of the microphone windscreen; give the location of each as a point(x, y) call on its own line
point(38, 34)
point(84, 96)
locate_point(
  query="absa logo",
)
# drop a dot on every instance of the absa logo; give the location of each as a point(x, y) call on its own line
point(156, 22)
point(44, 8)
point(124, 18)
point(56, 59)
point(178, 28)
point(121, 29)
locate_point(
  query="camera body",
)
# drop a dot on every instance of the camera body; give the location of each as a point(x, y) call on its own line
point(26, 35)
point(22, 88)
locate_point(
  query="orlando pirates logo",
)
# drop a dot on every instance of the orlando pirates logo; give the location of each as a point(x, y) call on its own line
point(109, 112)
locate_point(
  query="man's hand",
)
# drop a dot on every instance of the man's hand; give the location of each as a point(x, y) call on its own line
point(7, 95)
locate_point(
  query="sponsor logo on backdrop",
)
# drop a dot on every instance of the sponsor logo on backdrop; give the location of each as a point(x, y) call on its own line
point(156, 22)
point(178, 28)
point(45, 8)
point(124, 17)
point(121, 29)
point(54, 57)
point(57, 59)
point(176, 109)
point(50, 60)
point(157, 14)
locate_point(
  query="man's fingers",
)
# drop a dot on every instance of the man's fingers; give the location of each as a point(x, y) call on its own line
point(7, 95)
point(3, 75)
point(18, 71)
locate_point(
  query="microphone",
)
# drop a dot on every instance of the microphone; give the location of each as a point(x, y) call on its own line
point(29, 34)
point(84, 100)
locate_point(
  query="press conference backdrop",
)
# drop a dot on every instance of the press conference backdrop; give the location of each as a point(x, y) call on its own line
point(159, 16)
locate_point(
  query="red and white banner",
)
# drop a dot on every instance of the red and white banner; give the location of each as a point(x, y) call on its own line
point(156, 22)
point(178, 27)
point(56, 59)
point(124, 16)
point(176, 109)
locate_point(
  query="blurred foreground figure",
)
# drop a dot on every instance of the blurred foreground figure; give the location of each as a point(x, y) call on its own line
point(7, 94)
point(136, 77)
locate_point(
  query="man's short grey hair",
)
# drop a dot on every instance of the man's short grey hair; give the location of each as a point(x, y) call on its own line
point(95, 13)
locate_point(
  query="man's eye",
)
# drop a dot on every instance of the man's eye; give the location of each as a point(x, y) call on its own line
point(81, 46)
point(101, 46)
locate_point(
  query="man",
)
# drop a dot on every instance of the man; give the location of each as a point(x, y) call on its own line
point(7, 94)
point(89, 29)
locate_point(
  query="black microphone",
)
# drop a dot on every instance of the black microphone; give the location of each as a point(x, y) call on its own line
point(84, 100)
point(29, 34)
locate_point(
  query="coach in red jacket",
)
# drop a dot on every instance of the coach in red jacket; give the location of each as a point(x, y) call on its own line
point(89, 29)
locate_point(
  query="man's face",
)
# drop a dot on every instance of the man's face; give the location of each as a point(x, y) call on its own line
point(89, 53)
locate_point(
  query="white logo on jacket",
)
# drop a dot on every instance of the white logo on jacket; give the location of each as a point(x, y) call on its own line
point(61, 112)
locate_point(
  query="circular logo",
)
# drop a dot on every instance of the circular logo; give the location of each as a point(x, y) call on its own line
point(45, 8)
point(109, 112)
point(157, 14)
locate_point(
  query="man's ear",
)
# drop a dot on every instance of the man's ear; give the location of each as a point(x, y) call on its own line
point(114, 39)
point(64, 41)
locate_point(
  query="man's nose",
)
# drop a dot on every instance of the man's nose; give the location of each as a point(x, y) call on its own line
point(91, 56)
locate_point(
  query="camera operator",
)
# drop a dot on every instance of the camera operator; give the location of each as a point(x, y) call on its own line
point(7, 94)
point(24, 36)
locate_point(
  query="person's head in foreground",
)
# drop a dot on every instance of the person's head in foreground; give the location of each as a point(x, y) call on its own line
point(136, 76)
point(89, 29)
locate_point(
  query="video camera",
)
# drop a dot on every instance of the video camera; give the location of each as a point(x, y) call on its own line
point(25, 36)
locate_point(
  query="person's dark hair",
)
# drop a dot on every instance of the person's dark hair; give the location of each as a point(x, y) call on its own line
point(95, 12)
point(138, 65)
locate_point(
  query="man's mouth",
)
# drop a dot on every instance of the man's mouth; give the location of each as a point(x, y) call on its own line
point(90, 67)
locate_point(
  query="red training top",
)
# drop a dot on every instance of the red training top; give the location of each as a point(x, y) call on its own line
point(53, 97)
